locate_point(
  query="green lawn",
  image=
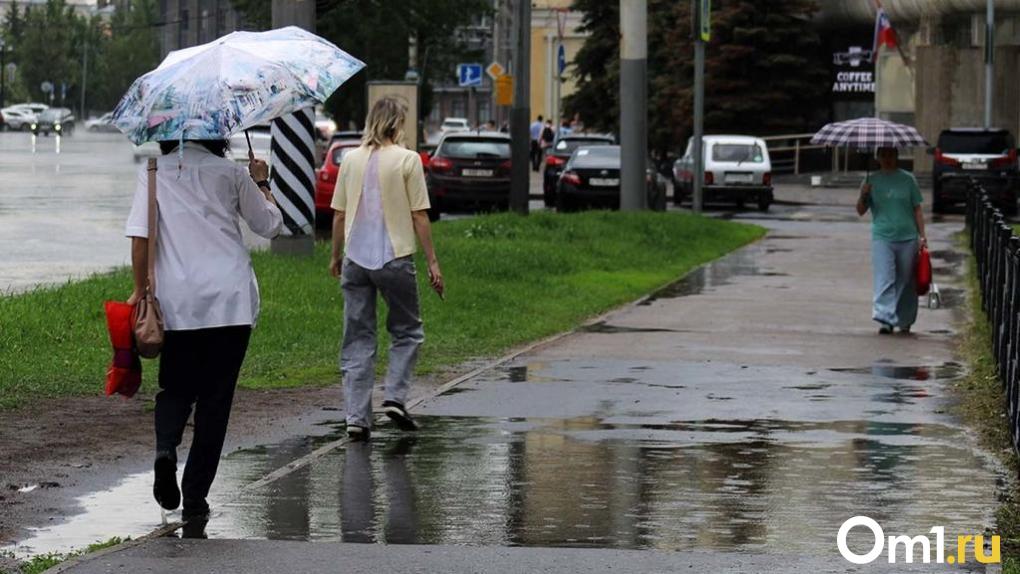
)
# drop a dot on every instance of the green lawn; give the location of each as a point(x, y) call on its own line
point(510, 280)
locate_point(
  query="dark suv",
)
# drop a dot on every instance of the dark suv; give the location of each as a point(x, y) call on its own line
point(986, 155)
point(470, 171)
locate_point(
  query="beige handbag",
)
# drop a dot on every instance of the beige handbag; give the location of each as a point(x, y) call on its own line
point(148, 316)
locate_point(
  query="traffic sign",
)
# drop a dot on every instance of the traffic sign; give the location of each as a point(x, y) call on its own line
point(495, 70)
point(561, 59)
point(469, 75)
point(46, 87)
point(505, 90)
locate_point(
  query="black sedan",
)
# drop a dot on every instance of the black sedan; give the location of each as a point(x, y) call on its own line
point(559, 154)
point(59, 121)
point(470, 171)
point(591, 178)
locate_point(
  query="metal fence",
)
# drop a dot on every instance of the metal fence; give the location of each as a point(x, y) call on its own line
point(997, 253)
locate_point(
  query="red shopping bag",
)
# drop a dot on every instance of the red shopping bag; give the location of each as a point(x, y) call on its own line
point(923, 271)
point(124, 375)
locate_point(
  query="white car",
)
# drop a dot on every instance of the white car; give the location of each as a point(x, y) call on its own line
point(103, 123)
point(324, 126)
point(261, 139)
point(454, 125)
point(18, 118)
point(737, 170)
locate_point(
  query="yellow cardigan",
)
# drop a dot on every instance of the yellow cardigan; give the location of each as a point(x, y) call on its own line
point(401, 183)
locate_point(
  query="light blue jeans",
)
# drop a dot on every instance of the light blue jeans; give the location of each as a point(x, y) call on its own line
point(397, 284)
point(893, 266)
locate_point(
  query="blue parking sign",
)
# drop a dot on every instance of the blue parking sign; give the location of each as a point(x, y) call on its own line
point(469, 75)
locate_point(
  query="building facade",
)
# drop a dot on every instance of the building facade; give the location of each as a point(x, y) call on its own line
point(192, 22)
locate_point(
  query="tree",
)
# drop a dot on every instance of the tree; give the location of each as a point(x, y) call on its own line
point(47, 51)
point(129, 47)
point(765, 73)
point(377, 33)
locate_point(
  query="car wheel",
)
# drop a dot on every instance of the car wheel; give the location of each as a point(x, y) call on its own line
point(764, 204)
point(549, 197)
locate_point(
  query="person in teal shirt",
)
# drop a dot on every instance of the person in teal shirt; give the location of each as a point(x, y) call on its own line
point(897, 234)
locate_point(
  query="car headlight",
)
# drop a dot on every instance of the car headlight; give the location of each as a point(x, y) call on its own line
point(57, 127)
point(34, 126)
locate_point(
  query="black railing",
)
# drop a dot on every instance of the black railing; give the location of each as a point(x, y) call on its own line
point(997, 254)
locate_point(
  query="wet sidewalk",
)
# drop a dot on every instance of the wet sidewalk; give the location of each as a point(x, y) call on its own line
point(731, 423)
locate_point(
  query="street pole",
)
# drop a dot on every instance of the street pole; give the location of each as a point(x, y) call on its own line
point(292, 152)
point(3, 73)
point(989, 63)
point(633, 103)
point(520, 112)
point(698, 177)
point(84, 74)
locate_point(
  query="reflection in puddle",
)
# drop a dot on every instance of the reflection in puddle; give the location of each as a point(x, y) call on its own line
point(740, 263)
point(949, 370)
point(605, 328)
point(581, 482)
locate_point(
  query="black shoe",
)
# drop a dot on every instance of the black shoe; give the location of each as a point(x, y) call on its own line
point(399, 415)
point(885, 329)
point(195, 511)
point(164, 488)
point(194, 529)
point(905, 330)
point(358, 434)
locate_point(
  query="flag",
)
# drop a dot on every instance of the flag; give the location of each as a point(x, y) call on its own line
point(884, 33)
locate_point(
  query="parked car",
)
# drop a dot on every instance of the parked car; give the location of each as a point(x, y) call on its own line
point(737, 170)
point(557, 157)
point(59, 121)
point(325, 181)
point(325, 127)
point(17, 119)
point(103, 123)
point(591, 178)
point(146, 150)
point(988, 155)
point(451, 125)
point(261, 143)
point(470, 171)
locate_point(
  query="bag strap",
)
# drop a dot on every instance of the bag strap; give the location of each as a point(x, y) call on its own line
point(153, 229)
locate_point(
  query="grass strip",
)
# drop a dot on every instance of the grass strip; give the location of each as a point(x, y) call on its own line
point(983, 406)
point(43, 562)
point(510, 279)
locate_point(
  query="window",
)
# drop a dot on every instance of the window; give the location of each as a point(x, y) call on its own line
point(738, 153)
point(185, 16)
point(476, 148)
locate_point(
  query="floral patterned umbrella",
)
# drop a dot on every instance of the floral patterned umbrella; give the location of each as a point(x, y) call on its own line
point(233, 83)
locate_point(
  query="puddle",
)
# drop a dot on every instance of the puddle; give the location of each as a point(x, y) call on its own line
point(741, 263)
point(949, 256)
point(945, 371)
point(952, 297)
point(604, 327)
point(582, 482)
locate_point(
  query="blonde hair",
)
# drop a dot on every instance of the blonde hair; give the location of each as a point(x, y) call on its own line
point(385, 121)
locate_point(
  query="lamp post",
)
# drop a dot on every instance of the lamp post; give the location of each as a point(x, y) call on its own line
point(3, 72)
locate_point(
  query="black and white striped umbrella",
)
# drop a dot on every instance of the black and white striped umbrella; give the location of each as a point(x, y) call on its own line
point(868, 133)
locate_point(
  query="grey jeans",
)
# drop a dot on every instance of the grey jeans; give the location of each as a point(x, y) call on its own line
point(397, 284)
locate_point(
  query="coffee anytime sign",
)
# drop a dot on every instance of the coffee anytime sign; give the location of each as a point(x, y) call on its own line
point(854, 71)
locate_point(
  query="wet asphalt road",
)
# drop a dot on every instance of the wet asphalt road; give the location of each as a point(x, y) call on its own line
point(738, 417)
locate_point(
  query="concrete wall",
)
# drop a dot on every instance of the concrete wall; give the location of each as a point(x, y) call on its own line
point(950, 92)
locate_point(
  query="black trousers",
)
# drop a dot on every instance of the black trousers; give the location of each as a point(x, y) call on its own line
point(536, 155)
point(198, 368)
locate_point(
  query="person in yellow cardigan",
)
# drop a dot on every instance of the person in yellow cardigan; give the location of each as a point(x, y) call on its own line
point(380, 207)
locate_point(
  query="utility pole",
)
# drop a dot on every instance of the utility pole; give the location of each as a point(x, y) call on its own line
point(3, 72)
point(989, 63)
point(700, 18)
point(292, 151)
point(84, 74)
point(633, 103)
point(520, 112)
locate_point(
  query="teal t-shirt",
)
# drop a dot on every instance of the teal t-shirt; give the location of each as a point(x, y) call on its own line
point(892, 201)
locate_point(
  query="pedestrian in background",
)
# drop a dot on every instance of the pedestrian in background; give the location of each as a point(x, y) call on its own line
point(897, 233)
point(548, 135)
point(380, 204)
point(536, 143)
point(209, 297)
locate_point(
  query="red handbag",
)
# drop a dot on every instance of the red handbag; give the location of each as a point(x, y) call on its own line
point(923, 271)
point(124, 375)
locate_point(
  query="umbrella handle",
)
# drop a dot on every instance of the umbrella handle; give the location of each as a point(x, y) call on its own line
point(251, 154)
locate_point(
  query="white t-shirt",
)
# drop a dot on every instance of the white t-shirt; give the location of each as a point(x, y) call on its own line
point(204, 277)
point(369, 244)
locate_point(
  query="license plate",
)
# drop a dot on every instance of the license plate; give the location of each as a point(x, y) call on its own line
point(604, 181)
point(973, 165)
point(477, 173)
point(739, 178)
